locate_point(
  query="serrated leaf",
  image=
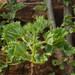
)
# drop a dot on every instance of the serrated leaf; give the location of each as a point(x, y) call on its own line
point(11, 15)
point(61, 67)
point(68, 16)
point(15, 50)
point(55, 62)
point(39, 7)
point(9, 6)
point(67, 3)
point(64, 59)
point(72, 30)
point(55, 36)
point(72, 63)
point(4, 15)
point(20, 49)
point(49, 49)
point(68, 49)
point(67, 23)
point(13, 31)
point(38, 26)
point(41, 59)
point(18, 6)
point(11, 1)
point(52, 73)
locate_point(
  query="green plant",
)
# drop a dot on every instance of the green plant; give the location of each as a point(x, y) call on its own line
point(41, 7)
point(27, 49)
point(66, 2)
point(9, 17)
point(67, 22)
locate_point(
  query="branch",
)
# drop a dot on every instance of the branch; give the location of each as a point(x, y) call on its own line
point(40, 43)
point(27, 43)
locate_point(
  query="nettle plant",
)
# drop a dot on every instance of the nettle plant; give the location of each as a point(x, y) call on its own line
point(68, 22)
point(8, 17)
point(23, 43)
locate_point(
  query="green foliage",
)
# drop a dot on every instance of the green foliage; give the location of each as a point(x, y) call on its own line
point(73, 9)
point(2, 66)
point(67, 21)
point(17, 49)
point(72, 63)
point(52, 73)
point(55, 62)
point(68, 49)
point(11, 1)
point(71, 30)
point(68, 16)
point(72, 73)
point(1, 4)
point(55, 36)
point(18, 6)
point(13, 7)
point(61, 67)
point(64, 59)
point(66, 2)
point(13, 31)
point(41, 7)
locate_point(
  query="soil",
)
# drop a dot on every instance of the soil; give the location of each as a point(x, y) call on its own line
point(28, 14)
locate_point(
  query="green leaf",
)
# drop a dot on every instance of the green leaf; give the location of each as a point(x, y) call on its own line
point(68, 49)
point(2, 66)
point(20, 49)
point(40, 7)
point(67, 23)
point(4, 15)
point(55, 62)
point(9, 6)
point(11, 1)
point(64, 59)
point(18, 6)
point(72, 63)
point(61, 67)
point(13, 31)
point(68, 16)
point(55, 36)
point(40, 59)
point(11, 15)
point(49, 49)
point(67, 3)
point(1, 4)
point(15, 50)
point(38, 26)
point(72, 73)
point(52, 73)
point(3, 22)
point(72, 30)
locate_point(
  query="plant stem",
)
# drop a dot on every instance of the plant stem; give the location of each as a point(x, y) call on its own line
point(3, 54)
point(40, 43)
point(33, 53)
point(27, 43)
